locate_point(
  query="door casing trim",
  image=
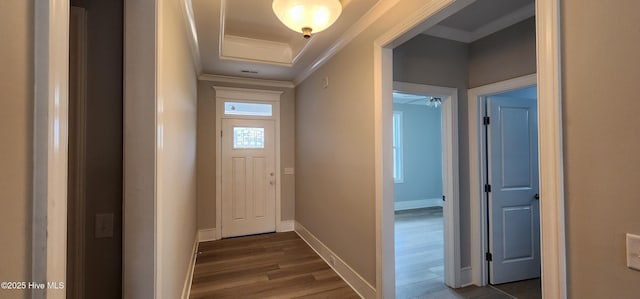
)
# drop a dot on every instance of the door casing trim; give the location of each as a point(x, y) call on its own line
point(50, 144)
point(477, 176)
point(247, 95)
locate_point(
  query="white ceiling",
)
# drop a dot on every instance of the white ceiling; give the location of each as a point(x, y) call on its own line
point(483, 18)
point(482, 12)
point(256, 44)
point(243, 38)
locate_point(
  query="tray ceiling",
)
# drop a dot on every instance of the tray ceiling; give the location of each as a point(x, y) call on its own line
point(244, 38)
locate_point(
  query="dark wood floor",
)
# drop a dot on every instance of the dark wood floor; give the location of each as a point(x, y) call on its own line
point(526, 289)
point(279, 265)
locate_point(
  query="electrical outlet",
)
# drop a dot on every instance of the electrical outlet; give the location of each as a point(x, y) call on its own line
point(325, 82)
point(288, 170)
point(633, 251)
point(104, 225)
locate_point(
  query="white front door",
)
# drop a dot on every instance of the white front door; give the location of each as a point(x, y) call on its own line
point(514, 211)
point(248, 177)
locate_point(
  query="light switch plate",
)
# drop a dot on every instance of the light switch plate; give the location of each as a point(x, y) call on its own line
point(288, 170)
point(633, 251)
point(104, 225)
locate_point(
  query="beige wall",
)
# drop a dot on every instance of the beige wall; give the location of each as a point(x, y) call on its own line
point(335, 185)
point(176, 152)
point(601, 67)
point(16, 127)
point(139, 203)
point(335, 155)
point(160, 145)
point(206, 159)
point(506, 54)
point(103, 267)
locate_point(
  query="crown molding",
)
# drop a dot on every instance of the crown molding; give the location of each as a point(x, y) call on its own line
point(378, 10)
point(503, 22)
point(513, 18)
point(190, 24)
point(450, 33)
point(254, 50)
point(248, 81)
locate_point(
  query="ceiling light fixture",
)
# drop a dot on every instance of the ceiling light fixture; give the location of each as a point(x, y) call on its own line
point(307, 16)
point(434, 102)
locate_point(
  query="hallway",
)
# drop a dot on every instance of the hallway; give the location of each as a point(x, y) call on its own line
point(278, 265)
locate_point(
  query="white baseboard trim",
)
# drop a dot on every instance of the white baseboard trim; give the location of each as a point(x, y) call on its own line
point(418, 203)
point(208, 234)
point(351, 277)
point(466, 277)
point(186, 289)
point(285, 226)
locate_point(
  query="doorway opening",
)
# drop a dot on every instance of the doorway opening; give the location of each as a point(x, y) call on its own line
point(511, 144)
point(418, 193)
point(551, 211)
point(425, 155)
point(504, 159)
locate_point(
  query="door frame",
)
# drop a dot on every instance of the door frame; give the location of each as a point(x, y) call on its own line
point(50, 144)
point(450, 171)
point(477, 165)
point(246, 95)
point(553, 257)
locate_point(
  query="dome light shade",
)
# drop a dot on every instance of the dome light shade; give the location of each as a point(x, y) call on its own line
point(307, 16)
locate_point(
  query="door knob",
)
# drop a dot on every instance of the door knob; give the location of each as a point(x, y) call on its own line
point(537, 196)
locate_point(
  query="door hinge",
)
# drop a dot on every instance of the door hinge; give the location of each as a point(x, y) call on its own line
point(486, 120)
point(488, 256)
point(444, 198)
point(220, 134)
point(487, 188)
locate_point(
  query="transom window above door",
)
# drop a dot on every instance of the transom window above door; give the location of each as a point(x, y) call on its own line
point(249, 109)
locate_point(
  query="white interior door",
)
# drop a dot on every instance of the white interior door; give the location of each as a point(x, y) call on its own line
point(248, 177)
point(514, 211)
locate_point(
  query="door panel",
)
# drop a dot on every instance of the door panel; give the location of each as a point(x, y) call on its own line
point(248, 177)
point(517, 231)
point(239, 188)
point(260, 181)
point(515, 141)
point(514, 212)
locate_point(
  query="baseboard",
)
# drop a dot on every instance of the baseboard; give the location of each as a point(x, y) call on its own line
point(351, 277)
point(418, 203)
point(285, 226)
point(186, 289)
point(208, 234)
point(465, 277)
